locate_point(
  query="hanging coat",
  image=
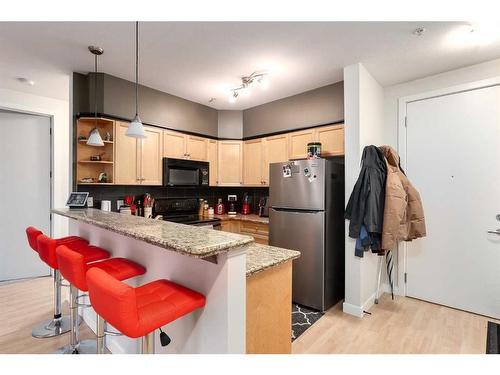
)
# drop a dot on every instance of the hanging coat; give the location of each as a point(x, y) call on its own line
point(403, 213)
point(366, 204)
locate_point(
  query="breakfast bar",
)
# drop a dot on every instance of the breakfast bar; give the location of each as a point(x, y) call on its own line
point(213, 263)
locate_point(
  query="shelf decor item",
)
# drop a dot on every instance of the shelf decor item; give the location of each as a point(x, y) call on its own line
point(94, 136)
point(135, 129)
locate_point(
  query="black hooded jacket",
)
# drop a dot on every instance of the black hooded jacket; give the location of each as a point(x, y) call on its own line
point(366, 204)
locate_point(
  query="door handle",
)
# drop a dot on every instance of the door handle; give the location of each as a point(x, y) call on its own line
point(494, 231)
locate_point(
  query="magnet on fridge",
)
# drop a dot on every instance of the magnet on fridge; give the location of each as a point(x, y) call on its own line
point(287, 171)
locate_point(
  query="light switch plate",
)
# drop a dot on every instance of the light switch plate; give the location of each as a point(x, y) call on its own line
point(119, 203)
point(90, 202)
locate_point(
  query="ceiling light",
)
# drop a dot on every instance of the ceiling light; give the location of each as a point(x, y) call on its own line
point(233, 96)
point(94, 136)
point(135, 129)
point(26, 81)
point(419, 31)
point(246, 82)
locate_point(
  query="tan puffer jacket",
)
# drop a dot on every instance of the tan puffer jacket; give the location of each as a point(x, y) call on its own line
point(403, 212)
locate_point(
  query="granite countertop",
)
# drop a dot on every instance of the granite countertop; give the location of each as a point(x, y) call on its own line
point(262, 257)
point(188, 240)
point(250, 217)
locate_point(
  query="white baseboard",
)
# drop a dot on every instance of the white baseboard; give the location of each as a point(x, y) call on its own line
point(357, 311)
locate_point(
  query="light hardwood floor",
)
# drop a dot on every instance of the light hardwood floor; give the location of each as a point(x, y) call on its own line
point(23, 304)
point(405, 325)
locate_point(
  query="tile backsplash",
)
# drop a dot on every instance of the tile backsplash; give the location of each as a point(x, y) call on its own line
point(211, 194)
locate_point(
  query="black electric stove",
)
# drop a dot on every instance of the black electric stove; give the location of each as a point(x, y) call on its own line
point(182, 211)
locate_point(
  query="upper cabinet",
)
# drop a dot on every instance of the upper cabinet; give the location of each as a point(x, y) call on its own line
point(126, 156)
point(138, 161)
point(183, 146)
point(213, 157)
point(253, 164)
point(297, 143)
point(332, 139)
point(275, 150)
point(230, 163)
point(196, 148)
point(150, 161)
point(174, 144)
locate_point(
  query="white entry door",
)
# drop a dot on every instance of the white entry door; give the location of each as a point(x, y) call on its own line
point(24, 190)
point(453, 159)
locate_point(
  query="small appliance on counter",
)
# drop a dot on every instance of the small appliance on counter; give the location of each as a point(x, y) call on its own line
point(264, 207)
point(231, 200)
point(245, 207)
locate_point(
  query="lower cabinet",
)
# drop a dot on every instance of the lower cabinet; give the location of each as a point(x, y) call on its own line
point(269, 311)
point(259, 231)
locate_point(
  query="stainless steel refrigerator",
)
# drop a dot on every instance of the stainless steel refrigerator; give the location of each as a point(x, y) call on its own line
point(307, 214)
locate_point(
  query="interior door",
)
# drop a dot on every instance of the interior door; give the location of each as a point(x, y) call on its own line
point(26, 193)
point(453, 159)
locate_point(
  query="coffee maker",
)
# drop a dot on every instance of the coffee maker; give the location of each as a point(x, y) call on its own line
point(264, 206)
point(231, 202)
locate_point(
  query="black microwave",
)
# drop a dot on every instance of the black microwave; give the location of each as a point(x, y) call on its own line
point(181, 172)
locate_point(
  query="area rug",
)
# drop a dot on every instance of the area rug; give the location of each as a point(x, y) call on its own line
point(493, 339)
point(302, 318)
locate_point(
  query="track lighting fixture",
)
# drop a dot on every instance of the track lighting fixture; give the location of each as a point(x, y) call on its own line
point(260, 78)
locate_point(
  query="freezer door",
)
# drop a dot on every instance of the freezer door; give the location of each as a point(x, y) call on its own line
point(303, 189)
point(303, 231)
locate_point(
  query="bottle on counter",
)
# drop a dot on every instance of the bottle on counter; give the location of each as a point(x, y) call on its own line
point(220, 209)
point(201, 207)
point(205, 209)
point(210, 212)
point(140, 208)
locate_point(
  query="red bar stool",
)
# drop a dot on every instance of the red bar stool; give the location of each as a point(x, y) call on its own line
point(73, 267)
point(58, 324)
point(137, 312)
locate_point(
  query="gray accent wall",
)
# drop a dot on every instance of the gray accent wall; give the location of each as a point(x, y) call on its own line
point(116, 97)
point(231, 124)
point(320, 106)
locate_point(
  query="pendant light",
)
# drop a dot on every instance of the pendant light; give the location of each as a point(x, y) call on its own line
point(94, 136)
point(135, 128)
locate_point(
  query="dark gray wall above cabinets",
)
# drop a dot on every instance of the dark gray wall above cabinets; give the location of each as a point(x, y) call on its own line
point(116, 97)
point(230, 124)
point(321, 106)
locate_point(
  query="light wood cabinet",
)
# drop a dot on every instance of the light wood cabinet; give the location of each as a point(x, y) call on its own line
point(253, 164)
point(213, 161)
point(259, 231)
point(230, 163)
point(332, 139)
point(196, 148)
point(174, 144)
point(126, 156)
point(275, 150)
point(184, 146)
point(297, 148)
point(138, 161)
point(150, 160)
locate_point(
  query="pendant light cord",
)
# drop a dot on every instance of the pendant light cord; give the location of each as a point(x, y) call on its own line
point(95, 91)
point(136, 68)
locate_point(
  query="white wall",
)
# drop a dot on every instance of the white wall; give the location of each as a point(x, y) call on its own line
point(230, 124)
point(454, 77)
point(59, 111)
point(364, 125)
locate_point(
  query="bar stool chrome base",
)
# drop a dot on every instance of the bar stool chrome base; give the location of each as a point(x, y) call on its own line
point(84, 347)
point(52, 328)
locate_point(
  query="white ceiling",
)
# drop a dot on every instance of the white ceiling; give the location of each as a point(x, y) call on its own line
point(200, 60)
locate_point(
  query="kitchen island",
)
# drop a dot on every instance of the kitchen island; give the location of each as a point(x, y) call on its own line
point(211, 262)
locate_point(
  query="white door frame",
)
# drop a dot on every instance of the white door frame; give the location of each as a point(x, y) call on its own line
point(402, 110)
point(51, 145)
